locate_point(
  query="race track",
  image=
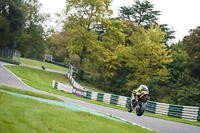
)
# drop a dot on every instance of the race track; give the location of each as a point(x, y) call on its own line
point(9, 79)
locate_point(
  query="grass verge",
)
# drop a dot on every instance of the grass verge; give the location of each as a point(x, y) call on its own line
point(9, 61)
point(40, 63)
point(42, 80)
point(26, 115)
point(30, 93)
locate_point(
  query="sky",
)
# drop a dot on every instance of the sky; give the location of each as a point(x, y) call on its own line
point(180, 15)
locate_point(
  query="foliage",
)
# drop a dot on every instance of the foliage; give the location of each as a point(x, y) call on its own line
point(184, 70)
point(170, 32)
point(80, 27)
point(192, 47)
point(147, 57)
point(57, 47)
point(143, 13)
point(178, 65)
point(12, 22)
point(4, 30)
point(33, 40)
point(187, 91)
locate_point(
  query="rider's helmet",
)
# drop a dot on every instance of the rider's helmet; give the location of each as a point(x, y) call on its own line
point(144, 88)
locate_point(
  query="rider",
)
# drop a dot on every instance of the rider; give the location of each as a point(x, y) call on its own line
point(136, 92)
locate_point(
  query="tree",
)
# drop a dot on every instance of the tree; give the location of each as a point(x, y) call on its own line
point(11, 15)
point(147, 57)
point(125, 13)
point(192, 47)
point(178, 65)
point(33, 41)
point(82, 17)
point(4, 31)
point(143, 13)
point(57, 47)
point(176, 69)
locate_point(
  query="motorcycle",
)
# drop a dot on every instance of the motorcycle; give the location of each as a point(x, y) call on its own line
point(139, 104)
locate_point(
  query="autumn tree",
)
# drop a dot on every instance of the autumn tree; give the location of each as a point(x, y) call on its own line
point(148, 57)
point(82, 18)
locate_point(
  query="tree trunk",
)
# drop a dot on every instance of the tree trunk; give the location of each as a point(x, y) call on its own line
point(80, 75)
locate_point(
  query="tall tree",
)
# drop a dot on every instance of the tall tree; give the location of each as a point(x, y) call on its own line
point(125, 13)
point(4, 31)
point(148, 57)
point(12, 18)
point(143, 13)
point(33, 41)
point(82, 18)
point(192, 47)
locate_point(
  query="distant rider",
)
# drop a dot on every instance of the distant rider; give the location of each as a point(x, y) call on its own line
point(136, 92)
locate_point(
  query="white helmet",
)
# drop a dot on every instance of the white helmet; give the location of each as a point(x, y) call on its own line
point(143, 87)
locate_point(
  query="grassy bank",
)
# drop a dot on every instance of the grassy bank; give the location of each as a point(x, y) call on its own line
point(25, 115)
point(42, 80)
point(30, 93)
point(40, 63)
point(9, 61)
point(55, 67)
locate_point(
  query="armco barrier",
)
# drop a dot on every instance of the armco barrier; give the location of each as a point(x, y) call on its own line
point(175, 110)
point(62, 87)
point(162, 108)
point(198, 118)
point(88, 94)
point(100, 97)
point(183, 112)
point(151, 107)
point(107, 98)
point(114, 99)
point(190, 113)
point(79, 92)
point(122, 101)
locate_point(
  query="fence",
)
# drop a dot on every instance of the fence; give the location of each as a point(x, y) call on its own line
point(10, 54)
point(183, 112)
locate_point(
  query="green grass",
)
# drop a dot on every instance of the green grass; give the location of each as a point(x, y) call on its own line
point(91, 87)
point(55, 67)
point(169, 118)
point(30, 93)
point(42, 80)
point(19, 115)
point(9, 60)
point(40, 63)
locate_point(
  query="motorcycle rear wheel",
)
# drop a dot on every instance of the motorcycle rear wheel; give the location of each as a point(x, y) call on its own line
point(140, 109)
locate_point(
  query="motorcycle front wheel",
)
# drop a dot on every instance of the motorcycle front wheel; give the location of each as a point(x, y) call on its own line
point(129, 108)
point(140, 107)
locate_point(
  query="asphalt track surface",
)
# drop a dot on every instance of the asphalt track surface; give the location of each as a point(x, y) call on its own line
point(9, 79)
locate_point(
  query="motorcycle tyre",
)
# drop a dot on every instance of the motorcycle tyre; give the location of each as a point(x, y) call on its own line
point(141, 109)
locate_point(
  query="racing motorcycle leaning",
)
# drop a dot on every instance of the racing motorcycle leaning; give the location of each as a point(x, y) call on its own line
point(139, 104)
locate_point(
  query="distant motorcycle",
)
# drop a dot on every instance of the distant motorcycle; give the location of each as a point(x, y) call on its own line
point(139, 105)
